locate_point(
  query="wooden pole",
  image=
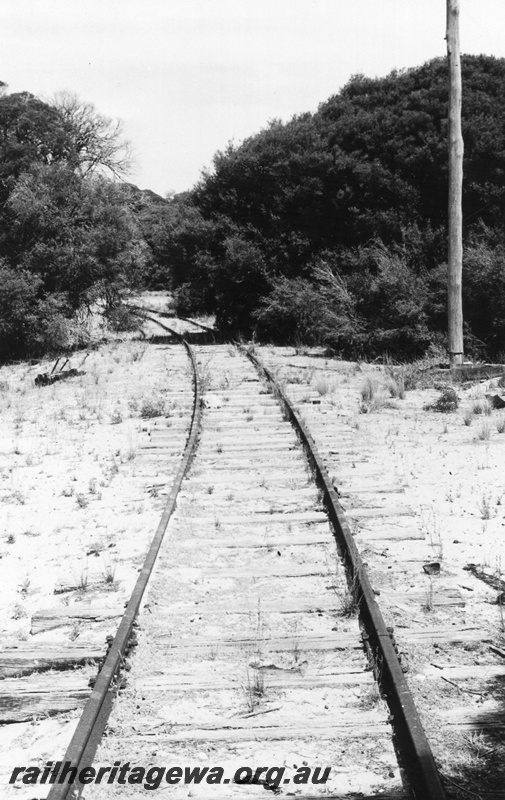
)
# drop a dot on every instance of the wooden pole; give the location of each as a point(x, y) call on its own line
point(455, 252)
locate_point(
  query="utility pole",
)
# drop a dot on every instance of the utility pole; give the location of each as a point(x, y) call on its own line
point(455, 253)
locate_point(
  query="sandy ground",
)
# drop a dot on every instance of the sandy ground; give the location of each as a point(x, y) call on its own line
point(437, 479)
point(78, 509)
point(80, 499)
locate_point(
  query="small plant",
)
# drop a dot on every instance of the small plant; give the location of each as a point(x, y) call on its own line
point(210, 489)
point(151, 407)
point(116, 417)
point(374, 397)
point(11, 539)
point(25, 587)
point(82, 500)
point(428, 605)
point(485, 506)
point(18, 612)
point(447, 401)
point(467, 417)
point(481, 406)
point(323, 385)
point(18, 496)
point(395, 383)
point(372, 697)
point(92, 485)
point(109, 574)
point(255, 687)
point(484, 432)
point(500, 423)
point(138, 353)
point(75, 630)
point(129, 454)
point(82, 583)
point(348, 595)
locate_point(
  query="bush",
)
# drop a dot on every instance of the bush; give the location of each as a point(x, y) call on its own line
point(29, 325)
point(321, 313)
point(448, 400)
point(123, 319)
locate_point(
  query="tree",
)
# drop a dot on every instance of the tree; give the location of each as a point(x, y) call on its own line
point(97, 141)
point(75, 234)
point(31, 132)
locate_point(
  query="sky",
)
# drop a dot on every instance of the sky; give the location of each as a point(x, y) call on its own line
point(186, 77)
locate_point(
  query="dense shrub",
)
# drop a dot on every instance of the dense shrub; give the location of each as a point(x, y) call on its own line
point(298, 310)
point(29, 325)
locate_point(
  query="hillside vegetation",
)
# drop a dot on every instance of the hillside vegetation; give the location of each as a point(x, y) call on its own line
point(328, 229)
point(331, 228)
point(70, 236)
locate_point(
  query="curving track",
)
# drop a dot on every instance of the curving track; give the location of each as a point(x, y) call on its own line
point(249, 653)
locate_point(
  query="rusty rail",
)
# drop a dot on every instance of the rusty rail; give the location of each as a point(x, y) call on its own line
point(411, 744)
point(84, 743)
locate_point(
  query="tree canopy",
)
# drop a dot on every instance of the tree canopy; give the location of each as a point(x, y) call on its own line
point(359, 187)
point(68, 237)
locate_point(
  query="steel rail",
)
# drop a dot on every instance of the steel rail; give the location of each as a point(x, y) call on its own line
point(84, 743)
point(409, 737)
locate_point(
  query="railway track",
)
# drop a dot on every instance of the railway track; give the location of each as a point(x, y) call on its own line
point(249, 651)
point(445, 635)
point(45, 672)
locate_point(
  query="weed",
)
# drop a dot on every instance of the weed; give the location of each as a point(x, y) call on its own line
point(25, 587)
point(323, 385)
point(500, 423)
point(348, 595)
point(17, 496)
point(467, 417)
point(371, 698)
point(484, 432)
point(431, 529)
point(428, 605)
point(224, 381)
point(82, 500)
point(255, 687)
point(374, 397)
point(481, 406)
point(75, 630)
point(129, 454)
point(219, 448)
point(210, 489)
point(11, 539)
point(485, 506)
point(18, 612)
point(116, 417)
point(109, 574)
point(82, 583)
point(153, 407)
point(395, 383)
point(92, 486)
point(447, 401)
point(138, 353)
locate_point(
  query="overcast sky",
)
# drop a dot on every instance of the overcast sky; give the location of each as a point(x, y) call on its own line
point(188, 76)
